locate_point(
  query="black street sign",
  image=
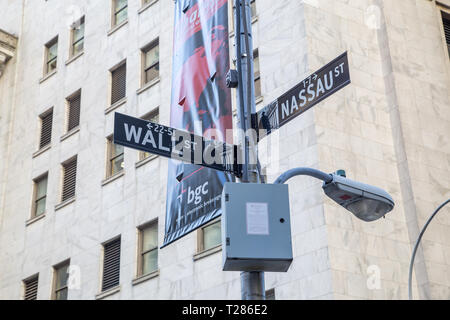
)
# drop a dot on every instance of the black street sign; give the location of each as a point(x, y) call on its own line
point(317, 87)
point(175, 144)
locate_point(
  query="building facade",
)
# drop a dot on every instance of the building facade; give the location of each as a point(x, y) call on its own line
point(73, 203)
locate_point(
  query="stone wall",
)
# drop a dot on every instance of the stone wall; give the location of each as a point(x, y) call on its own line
point(389, 128)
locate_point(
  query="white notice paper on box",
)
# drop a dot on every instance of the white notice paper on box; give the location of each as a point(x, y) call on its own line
point(257, 218)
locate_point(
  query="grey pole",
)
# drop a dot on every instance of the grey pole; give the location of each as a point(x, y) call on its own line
point(252, 286)
point(252, 283)
point(416, 246)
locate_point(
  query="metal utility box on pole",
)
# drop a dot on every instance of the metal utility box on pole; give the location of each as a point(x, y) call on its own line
point(256, 229)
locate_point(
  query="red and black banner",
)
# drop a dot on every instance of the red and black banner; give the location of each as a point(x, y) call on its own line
point(201, 104)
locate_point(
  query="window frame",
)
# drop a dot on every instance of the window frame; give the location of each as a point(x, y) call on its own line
point(444, 15)
point(201, 236)
point(69, 99)
point(28, 280)
point(73, 42)
point(56, 269)
point(64, 165)
point(104, 244)
point(114, 13)
point(122, 63)
point(48, 61)
point(42, 116)
point(254, 13)
point(257, 74)
point(35, 199)
point(144, 68)
point(110, 158)
point(141, 253)
point(148, 116)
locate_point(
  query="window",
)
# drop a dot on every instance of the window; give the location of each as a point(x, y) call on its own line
point(210, 236)
point(253, 8)
point(115, 158)
point(148, 249)
point(153, 117)
point(46, 128)
point(118, 83)
point(446, 24)
point(69, 179)
point(120, 11)
point(31, 288)
point(73, 111)
point(256, 73)
point(40, 195)
point(51, 55)
point(111, 264)
point(77, 38)
point(60, 279)
point(150, 63)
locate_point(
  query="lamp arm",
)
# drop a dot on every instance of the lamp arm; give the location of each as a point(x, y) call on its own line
point(411, 265)
point(304, 172)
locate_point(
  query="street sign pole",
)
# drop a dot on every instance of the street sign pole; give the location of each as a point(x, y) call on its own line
point(252, 283)
point(184, 146)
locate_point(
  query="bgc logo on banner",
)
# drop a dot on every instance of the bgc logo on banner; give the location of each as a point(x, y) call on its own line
point(196, 194)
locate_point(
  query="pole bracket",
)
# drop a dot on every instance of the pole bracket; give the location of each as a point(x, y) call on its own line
point(232, 79)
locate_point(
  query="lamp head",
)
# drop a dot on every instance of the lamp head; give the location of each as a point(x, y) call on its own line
point(366, 202)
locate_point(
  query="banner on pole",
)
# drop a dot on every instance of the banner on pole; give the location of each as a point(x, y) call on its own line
point(201, 104)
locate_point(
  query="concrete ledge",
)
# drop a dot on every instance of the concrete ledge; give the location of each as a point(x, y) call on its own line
point(143, 162)
point(69, 134)
point(146, 277)
point(117, 27)
point(65, 203)
point(116, 105)
point(8, 40)
point(146, 6)
point(207, 253)
point(107, 293)
point(8, 45)
point(148, 85)
point(259, 99)
point(113, 178)
point(75, 57)
point(47, 76)
point(34, 219)
point(41, 151)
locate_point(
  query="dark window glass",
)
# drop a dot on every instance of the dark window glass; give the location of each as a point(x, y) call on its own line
point(111, 265)
point(118, 83)
point(69, 180)
point(46, 129)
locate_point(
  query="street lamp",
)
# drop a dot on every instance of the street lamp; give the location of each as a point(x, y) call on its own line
point(366, 202)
